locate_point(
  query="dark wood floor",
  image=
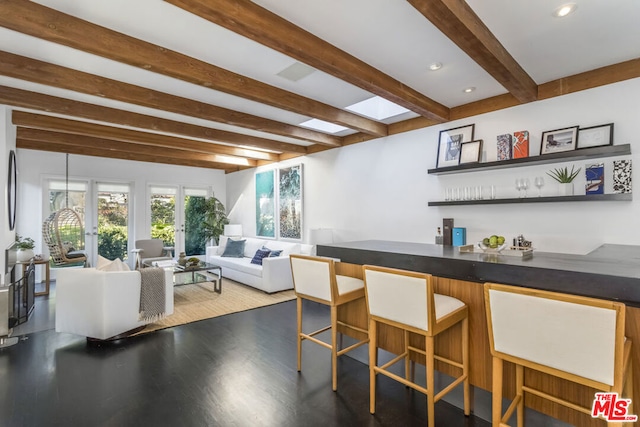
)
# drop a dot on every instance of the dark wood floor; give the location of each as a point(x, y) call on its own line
point(235, 370)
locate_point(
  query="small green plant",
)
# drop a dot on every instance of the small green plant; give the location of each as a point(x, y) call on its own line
point(563, 176)
point(25, 242)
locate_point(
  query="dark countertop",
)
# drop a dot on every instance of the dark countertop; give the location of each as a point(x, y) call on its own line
point(609, 272)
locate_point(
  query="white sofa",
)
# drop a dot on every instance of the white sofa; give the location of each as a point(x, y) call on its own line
point(102, 304)
point(272, 276)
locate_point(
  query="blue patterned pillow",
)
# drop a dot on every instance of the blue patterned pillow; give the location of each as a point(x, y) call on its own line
point(234, 249)
point(273, 253)
point(260, 253)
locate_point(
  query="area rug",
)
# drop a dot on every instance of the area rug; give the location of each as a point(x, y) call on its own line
point(199, 302)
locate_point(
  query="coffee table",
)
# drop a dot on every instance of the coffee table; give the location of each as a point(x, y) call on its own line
point(203, 272)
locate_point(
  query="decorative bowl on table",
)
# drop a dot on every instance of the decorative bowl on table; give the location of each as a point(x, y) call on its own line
point(489, 250)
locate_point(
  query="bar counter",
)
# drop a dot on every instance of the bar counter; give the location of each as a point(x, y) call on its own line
point(608, 272)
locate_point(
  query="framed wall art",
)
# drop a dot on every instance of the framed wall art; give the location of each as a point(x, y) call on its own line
point(266, 204)
point(290, 202)
point(559, 140)
point(595, 136)
point(450, 143)
point(470, 151)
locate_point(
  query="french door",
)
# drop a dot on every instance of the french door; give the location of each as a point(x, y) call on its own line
point(176, 217)
point(104, 208)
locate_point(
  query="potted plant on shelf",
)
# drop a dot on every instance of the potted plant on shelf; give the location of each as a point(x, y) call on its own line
point(25, 247)
point(565, 179)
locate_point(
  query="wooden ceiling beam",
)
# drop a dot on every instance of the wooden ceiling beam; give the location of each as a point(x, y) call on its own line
point(157, 142)
point(113, 145)
point(32, 70)
point(37, 101)
point(36, 20)
point(250, 20)
point(456, 20)
point(123, 155)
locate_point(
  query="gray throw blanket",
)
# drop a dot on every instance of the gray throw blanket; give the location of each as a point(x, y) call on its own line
point(152, 294)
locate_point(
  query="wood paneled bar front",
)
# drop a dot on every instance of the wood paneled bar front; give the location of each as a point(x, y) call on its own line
point(610, 272)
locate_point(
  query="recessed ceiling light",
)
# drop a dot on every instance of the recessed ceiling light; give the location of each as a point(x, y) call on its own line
point(435, 66)
point(564, 10)
point(469, 89)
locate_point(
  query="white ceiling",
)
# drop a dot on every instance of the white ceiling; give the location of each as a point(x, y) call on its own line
point(390, 35)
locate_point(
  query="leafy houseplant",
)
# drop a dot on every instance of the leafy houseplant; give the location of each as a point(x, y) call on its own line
point(24, 242)
point(25, 247)
point(563, 176)
point(565, 179)
point(215, 218)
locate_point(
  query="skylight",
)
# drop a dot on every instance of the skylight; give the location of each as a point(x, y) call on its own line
point(377, 108)
point(323, 126)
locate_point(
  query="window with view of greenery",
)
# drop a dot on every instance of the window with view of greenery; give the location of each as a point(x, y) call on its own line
point(113, 215)
point(163, 218)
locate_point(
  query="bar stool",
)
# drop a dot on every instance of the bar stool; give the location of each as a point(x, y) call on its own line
point(315, 279)
point(576, 338)
point(405, 300)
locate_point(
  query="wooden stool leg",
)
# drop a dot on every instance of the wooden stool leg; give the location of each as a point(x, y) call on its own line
point(520, 392)
point(407, 361)
point(465, 367)
point(299, 320)
point(430, 364)
point(373, 362)
point(496, 391)
point(334, 347)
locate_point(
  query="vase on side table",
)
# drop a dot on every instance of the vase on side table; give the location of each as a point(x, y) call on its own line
point(24, 255)
point(565, 188)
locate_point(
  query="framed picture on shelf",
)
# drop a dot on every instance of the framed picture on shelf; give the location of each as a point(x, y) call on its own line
point(450, 144)
point(595, 136)
point(559, 140)
point(470, 152)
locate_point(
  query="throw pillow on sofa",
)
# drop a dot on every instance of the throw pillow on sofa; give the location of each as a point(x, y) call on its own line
point(107, 265)
point(260, 254)
point(272, 253)
point(234, 249)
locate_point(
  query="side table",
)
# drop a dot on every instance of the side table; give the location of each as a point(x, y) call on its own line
point(47, 280)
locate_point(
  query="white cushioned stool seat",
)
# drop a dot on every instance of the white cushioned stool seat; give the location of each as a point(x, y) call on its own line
point(348, 284)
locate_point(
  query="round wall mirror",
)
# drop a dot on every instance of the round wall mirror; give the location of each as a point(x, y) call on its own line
point(12, 190)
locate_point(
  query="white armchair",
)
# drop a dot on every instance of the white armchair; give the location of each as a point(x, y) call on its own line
point(101, 304)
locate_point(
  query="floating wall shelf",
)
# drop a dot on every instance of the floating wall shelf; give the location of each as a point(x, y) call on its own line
point(624, 197)
point(566, 156)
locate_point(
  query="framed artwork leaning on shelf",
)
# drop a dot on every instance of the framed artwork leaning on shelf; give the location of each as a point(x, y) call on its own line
point(450, 143)
point(559, 140)
point(470, 151)
point(595, 136)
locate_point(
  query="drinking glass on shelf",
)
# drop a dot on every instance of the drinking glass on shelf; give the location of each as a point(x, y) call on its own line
point(525, 185)
point(539, 182)
point(519, 184)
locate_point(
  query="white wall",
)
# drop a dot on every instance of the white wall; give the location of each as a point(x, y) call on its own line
point(36, 166)
point(380, 189)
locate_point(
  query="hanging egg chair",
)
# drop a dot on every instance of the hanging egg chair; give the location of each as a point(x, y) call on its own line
point(63, 233)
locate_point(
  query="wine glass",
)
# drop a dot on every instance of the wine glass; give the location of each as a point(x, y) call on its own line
point(525, 185)
point(539, 182)
point(519, 186)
